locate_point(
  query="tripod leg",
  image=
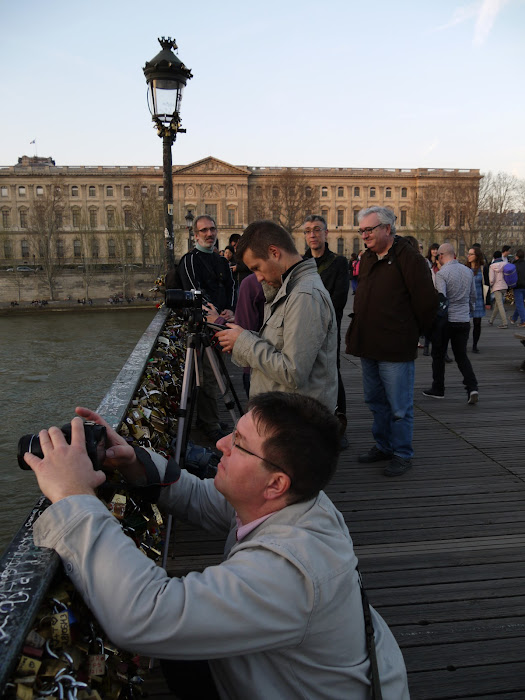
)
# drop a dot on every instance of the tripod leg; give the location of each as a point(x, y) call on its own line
point(228, 401)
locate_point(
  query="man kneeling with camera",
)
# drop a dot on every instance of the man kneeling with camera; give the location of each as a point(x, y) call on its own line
point(282, 615)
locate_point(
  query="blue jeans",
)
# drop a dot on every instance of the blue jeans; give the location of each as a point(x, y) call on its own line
point(389, 394)
point(519, 295)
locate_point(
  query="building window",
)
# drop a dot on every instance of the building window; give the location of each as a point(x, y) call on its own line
point(8, 249)
point(23, 218)
point(258, 191)
point(357, 192)
point(308, 191)
point(275, 192)
point(109, 191)
point(388, 192)
point(403, 217)
point(372, 192)
point(129, 248)
point(161, 191)
point(58, 219)
point(127, 191)
point(146, 249)
point(356, 246)
point(461, 218)
point(324, 191)
point(39, 191)
point(21, 191)
point(74, 191)
point(446, 218)
point(110, 216)
point(231, 217)
point(4, 191)
point(92, 218)
point(340, 191)
point(60, 248)
point(340, 246)
point(77, 248)
point(355, 221)
point(324, 214)
point(404, 192)
point(24, 248)
point(340, 217)
point(76, 218)
point(127, 218)
point(5, 218)
point(211, 210)
point(95, 248)
point(111, 248)
point(92, 191)
point(144, 190)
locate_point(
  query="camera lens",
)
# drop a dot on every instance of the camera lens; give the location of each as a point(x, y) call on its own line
point(28, 443)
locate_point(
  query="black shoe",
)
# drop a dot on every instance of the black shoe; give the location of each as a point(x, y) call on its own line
point(448, 358)
point(397, 466)
point(475, 350)
point(374, 454)
point(473, 397)
point(434, 394)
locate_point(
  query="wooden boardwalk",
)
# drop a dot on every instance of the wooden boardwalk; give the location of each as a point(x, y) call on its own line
point(441, 548)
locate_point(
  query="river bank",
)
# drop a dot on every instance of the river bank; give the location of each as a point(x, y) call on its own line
point(26, 307)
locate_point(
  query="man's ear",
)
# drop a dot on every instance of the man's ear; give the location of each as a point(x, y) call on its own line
point(278, 486)
point(274, 252)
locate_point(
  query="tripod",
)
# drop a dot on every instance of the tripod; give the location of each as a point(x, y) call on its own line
point(197, 342)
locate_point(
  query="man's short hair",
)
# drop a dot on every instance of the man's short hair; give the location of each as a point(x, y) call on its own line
point(505, 249)
point(260, 235)
point(447, 249)
point(302, 435)
point(234, 238)
point(385, 215)
point(497, 254)
point(316, 217)
point(203, 216)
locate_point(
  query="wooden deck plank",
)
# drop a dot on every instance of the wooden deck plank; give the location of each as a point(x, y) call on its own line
point(442, 548)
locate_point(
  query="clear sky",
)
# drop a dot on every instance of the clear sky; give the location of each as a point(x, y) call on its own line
point(343, 83)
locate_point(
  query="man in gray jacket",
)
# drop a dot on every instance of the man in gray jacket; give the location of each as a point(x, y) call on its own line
point(281, 616)
point(296, 347)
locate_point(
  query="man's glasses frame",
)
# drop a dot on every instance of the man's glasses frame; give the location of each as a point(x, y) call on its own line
point(252, 454)
point(369, 229)
point(211, 229)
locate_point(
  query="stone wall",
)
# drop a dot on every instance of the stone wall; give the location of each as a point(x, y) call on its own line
point(27, 286)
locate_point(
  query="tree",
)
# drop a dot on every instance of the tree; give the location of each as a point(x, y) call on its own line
point(498, 195)
point(429, 213)
point(145, 219)
point(45, 222)
point(287, 198)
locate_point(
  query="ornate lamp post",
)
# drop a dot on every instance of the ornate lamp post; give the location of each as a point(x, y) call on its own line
point(166, 76)
point(189, 225)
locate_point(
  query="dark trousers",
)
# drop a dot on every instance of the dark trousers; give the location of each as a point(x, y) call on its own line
point(341, 395)
point(458, 334)
point(189, 680)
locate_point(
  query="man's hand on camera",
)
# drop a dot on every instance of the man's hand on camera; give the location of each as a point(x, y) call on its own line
point(65, 470)
point(211, 312)
point(227, 338)
point(119, 454)
point(228, 314)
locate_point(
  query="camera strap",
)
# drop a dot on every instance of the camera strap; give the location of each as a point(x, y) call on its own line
point(370, 643)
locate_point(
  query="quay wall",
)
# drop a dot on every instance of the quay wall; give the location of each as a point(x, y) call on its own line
point(24, 287)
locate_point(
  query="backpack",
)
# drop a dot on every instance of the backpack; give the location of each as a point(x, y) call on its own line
point(510, 274)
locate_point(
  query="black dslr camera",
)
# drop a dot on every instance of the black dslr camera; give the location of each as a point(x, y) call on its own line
point(179, 299)
point(95, 444)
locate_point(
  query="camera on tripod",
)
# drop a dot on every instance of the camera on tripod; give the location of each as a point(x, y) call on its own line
point(179, 299)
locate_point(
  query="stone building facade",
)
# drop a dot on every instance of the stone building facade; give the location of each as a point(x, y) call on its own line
point(96, 210)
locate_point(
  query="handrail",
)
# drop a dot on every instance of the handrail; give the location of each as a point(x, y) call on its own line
point(26, 570)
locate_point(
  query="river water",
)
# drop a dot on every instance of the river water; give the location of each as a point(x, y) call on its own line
point(50, 363)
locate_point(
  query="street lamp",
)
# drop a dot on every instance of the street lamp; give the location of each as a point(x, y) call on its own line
point(189, 225)
point(166, 77)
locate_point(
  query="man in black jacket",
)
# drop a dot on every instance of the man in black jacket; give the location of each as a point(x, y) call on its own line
point(203, 268)
point(336, 278)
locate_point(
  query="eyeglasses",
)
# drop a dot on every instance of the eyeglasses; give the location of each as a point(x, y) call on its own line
point(211, 229)
point(315, 229)
point(471, 253)
point(252, 454)
point(369, 229)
